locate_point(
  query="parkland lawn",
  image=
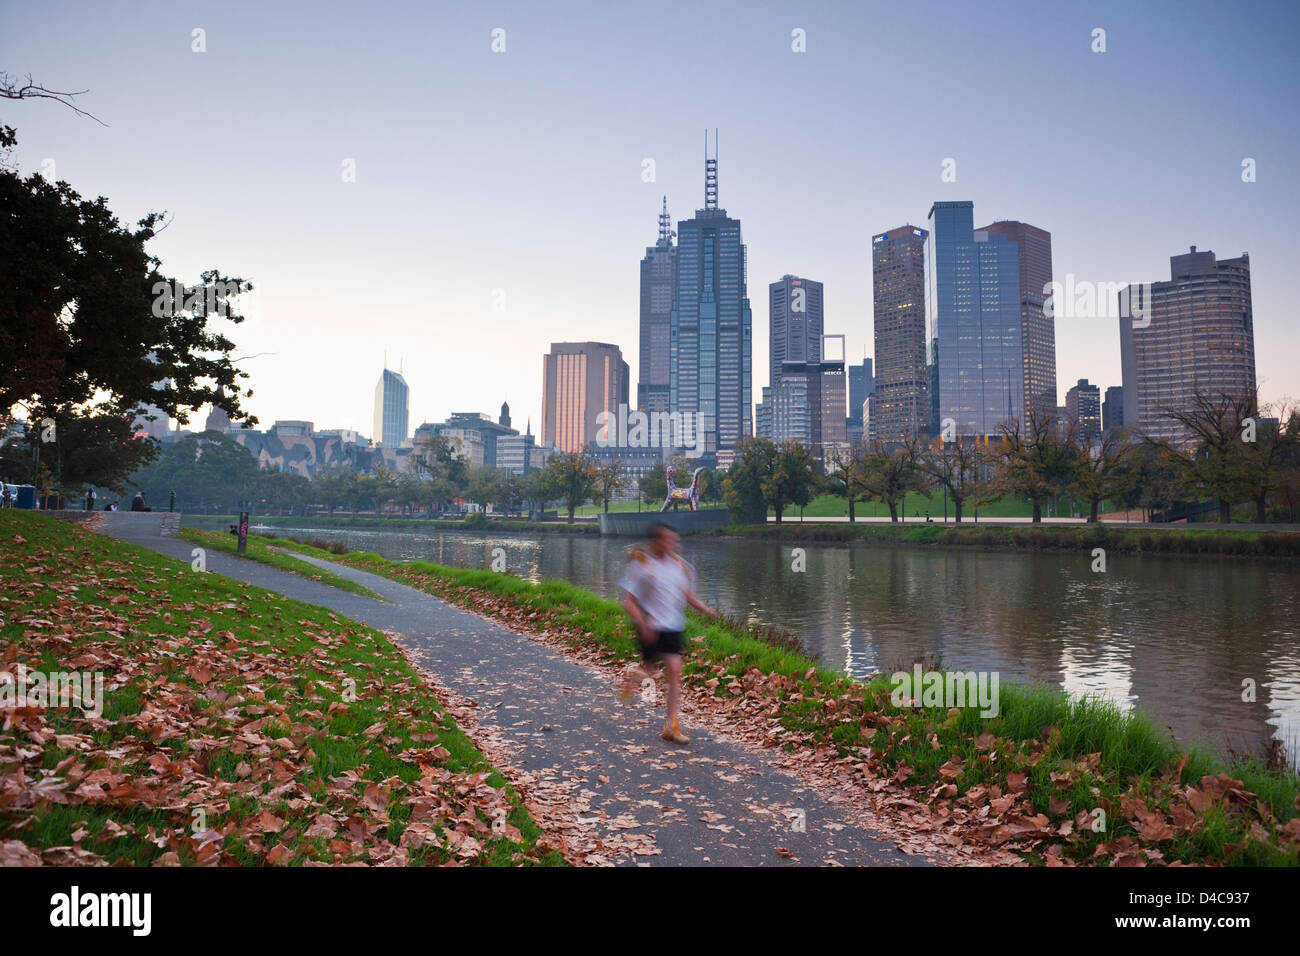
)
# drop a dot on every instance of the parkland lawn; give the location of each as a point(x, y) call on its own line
point(237, 726)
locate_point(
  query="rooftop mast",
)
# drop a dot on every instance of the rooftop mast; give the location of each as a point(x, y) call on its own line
point(711, 172)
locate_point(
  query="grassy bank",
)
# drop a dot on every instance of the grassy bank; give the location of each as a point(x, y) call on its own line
point(259, 548)
point(1079, 537)
point(237, 726)
point(1032, 778)
point(373, 523)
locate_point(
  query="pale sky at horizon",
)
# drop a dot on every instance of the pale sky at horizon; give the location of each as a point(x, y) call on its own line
point(522, 171)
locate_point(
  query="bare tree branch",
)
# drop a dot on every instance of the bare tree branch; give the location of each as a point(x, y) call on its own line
point(13, 88)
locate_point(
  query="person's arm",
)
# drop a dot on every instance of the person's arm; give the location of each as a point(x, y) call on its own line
point(694, 601)
point(631, 583)
point(636, 613)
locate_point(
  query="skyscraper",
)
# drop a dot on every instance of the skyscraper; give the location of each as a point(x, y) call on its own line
point(786, 412)
point(862, 382)
point(392, 400)
point(658, 285)
point(1194, 333)
point(579, 381)
point(899, 407)
point(710, 372)
point(796, 321)
point(1037, 327)
point(1083, 405)
point(1112, 408)
point(977, 319)
point(797, 317)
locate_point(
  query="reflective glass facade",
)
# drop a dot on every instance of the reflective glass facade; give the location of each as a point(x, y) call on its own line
point(392, 396)
point(978, 322)
point(710, 373)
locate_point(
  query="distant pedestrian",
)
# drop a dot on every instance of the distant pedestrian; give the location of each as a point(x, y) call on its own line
point(138, 503)
point(657, 586)
point(90, 499)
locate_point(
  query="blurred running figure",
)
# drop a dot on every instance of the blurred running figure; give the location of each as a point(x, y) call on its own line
point(657, 586)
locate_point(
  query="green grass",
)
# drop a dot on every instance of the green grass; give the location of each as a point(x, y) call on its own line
point(259, 549)
point(1077, 755)
point(836, 506)
point(375, 523)
point(269, 715)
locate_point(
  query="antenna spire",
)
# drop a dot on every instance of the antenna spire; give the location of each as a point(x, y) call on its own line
point(665, 226)
point(710, 172)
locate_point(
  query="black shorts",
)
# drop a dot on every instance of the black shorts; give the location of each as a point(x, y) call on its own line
point(665, 642)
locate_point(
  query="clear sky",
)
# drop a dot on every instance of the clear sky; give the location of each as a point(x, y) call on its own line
point(522, 171)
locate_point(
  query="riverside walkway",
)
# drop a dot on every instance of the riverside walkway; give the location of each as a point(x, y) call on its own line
point(633, 797)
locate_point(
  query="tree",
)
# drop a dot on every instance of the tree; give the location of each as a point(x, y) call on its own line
point(1271, 455)
point(86, 450)
point(435, 460)
point(958, 467)
point(13, 88)
point(710, 486)
point(654, 484)
point(845, 469)
point(610, 481)
point(573, 476)
point(1100, 468)
point(282, 490)
point(209, 472)
point(539, 488)
point(1036, 457)
point(1153, 479)
point(742, 487)
point(792, 479)
point(88, 323)
point(890, 472)
point(1215, 457)
point(485, 485)
point(327, 488)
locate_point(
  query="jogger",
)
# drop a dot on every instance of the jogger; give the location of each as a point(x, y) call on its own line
point(657, 586)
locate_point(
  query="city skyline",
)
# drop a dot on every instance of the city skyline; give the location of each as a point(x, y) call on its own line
point(332, 258)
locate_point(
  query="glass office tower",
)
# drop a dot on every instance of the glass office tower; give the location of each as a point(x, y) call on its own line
point(392, 416)
point(710, 375)
point(978, 323)
point(658, 285)
point(900, 408)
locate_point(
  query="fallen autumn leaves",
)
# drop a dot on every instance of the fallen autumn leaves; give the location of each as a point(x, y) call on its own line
point(239, 727)
point(948, 779)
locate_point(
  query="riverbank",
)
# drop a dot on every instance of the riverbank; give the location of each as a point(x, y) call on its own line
point(231, 725)
point(258, 548)
point(1060, 781)
point(1175, 540)
point(1165, 540)
point(372, 523)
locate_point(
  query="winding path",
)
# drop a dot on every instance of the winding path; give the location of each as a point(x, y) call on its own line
point(716, 802)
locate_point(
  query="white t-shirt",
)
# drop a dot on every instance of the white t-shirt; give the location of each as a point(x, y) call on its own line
point(660, 586)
